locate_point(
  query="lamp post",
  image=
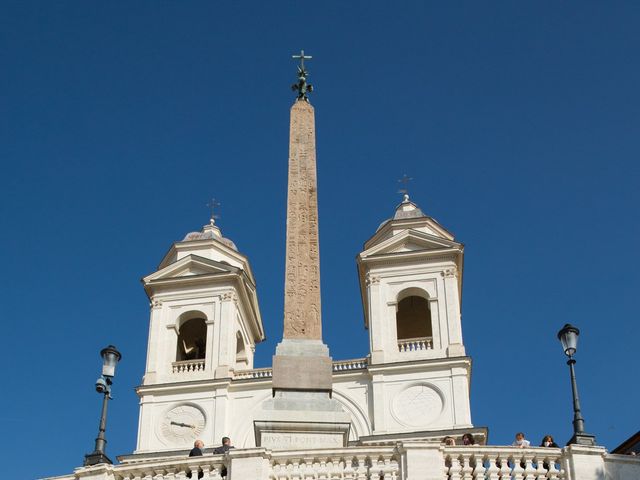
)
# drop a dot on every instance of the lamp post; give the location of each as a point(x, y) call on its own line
point(568, 336)
point(110, 358)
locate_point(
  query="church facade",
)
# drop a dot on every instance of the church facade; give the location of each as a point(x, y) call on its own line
point(205, 324)
point(395, 405)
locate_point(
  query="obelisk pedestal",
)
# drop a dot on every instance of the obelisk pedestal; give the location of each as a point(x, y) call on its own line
point(302, 413)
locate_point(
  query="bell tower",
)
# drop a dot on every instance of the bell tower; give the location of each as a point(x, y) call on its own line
point(204, 324)
point(411, 282)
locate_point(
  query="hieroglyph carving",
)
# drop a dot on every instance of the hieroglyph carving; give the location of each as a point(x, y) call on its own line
point(302, 316)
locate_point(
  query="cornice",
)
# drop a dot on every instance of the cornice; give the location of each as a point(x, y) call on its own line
point(412, 365)
point(194, 385)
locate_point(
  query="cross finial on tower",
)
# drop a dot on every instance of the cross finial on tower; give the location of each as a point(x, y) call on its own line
point(302, 87)
point(405, 186)
point(213, 204)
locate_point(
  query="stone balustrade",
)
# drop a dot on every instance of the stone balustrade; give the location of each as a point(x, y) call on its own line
point(415, 344)
point(338, 366)
point(412, 460)
point(188, 366)
point(255, 373)
point(503, 463)
point(346, 365)
point(353, 463)
point(206, 467)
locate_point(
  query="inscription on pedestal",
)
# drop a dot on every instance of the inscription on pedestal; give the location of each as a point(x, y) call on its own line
point(294, 440)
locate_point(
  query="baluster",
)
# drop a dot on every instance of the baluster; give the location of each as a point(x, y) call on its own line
point(518, 467)
point(505, 469)
point(493, 470)
point(296, 473)
point(478, 470)
point(529, 470)
point(467, 469)
point(454, 467)
point(388, 469)
point(541, 472)
point(395, 470)
point(377, 470)
point(322, 470)
point(171, 475)
point(206, 472)
point(275, 471)
point(349, 470)
point(361, 469)
point(553, 472)
point(309, 471)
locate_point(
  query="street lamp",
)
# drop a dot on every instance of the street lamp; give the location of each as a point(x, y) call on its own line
point(110, 358)
point(568, 336)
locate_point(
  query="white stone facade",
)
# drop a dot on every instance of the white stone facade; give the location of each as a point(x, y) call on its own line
point(405, 386)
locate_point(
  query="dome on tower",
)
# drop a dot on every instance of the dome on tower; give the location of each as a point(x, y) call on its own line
point(406, 209)
point(210, 232)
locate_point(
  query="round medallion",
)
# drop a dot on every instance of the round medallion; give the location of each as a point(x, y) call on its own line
point(181, 425)
point(418, 405)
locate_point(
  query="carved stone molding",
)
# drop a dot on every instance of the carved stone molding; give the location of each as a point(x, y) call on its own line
point(155, 304)
point(230, 296)
point(372, 279)
point(449, 272)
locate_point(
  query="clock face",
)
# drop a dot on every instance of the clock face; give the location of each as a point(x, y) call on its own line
point(181, 425)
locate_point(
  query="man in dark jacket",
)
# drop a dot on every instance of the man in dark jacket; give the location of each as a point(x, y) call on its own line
point(196, 451)
point(224, 448)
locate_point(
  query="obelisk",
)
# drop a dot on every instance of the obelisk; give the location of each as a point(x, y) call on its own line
point(302, 412)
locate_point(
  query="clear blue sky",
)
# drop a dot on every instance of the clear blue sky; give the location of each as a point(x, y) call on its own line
point(519, 122)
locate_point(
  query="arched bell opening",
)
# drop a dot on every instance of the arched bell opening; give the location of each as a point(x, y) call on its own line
point(192, 340)
point(413, 316)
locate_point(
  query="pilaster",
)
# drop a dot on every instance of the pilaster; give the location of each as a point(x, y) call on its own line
point(208, 360)
point(378, 401)
point(226, 351)
point(455, 347)
point(220, 413)
point(584, 463)
point(249, 463)
point(153, 354)
point(377, 327)
point(420, 461)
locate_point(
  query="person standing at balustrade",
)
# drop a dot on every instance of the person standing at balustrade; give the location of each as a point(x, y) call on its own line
point(467, 439)
point(547, 441)
point(520, 441)
point(196, 451)
point(449, 441)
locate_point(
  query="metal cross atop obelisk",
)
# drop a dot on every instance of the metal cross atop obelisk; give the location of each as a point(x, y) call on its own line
point(302, 58)
point(302, 87)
